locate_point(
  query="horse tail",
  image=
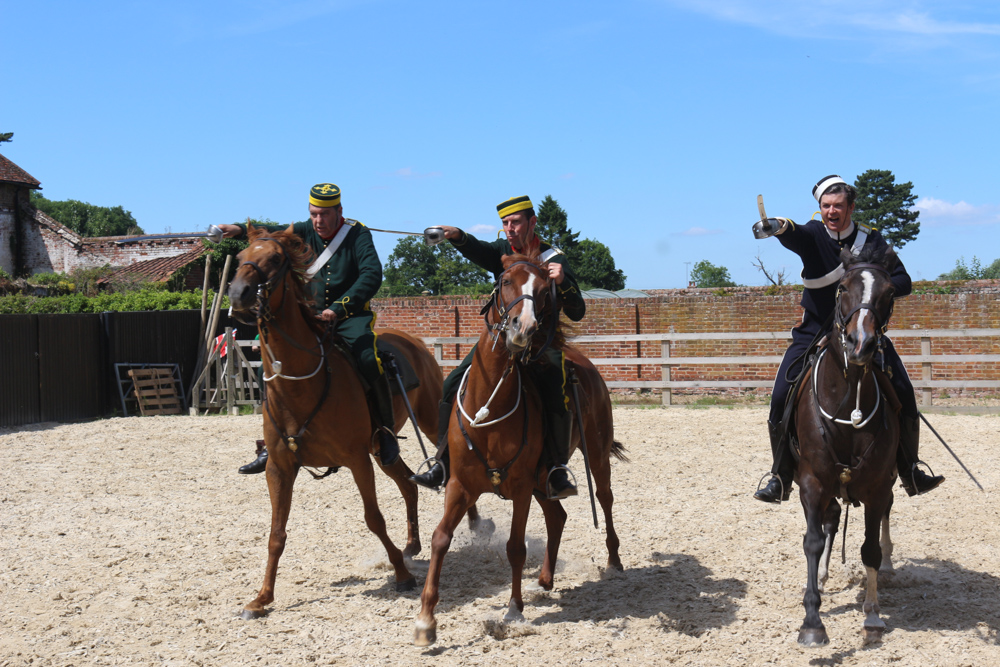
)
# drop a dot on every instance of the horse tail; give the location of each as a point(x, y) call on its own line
point(618, 451)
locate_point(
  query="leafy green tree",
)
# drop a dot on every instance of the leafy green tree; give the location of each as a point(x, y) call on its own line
point(414, 268)
point(86, 219)
point(595, 267)
point(887, 206)
point(553, 227)
point(975, 271)
point(706, 274)
point(6, 136)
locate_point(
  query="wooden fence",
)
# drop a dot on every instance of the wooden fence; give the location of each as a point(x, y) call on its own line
point(925, 384)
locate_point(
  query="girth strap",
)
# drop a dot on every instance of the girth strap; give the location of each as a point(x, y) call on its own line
point(497, 476)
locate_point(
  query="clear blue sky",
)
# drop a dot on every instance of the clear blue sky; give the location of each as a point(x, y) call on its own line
point(654, 123)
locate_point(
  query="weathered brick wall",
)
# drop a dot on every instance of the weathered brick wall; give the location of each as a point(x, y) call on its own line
point(973, 305)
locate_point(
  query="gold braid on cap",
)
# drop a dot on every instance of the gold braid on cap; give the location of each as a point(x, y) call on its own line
point(324, 195)
point(513, 205)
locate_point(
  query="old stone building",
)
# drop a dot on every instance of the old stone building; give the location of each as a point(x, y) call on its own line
point(32, 242)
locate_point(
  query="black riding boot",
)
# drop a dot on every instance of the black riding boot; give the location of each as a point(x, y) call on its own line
point(779, 487)
point(558, 435)
point(259, 464)
point(388, 450)
point(437, 475)
point(914, 480)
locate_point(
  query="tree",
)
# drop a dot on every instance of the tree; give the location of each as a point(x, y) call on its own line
point(777, 279)
point(887, 206)
point(553, 227)
point(6, 136)
point(973, 272)
point(86, 219)
point(706, 274)
point(414, 268)
point(594, 267)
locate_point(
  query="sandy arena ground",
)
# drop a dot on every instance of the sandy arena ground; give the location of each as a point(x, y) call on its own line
point(134, 541)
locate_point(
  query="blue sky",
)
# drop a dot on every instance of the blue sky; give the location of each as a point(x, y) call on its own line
point(654, 123)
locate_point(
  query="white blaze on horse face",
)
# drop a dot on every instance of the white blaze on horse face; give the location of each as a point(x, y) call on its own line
point(869, 281)
point(527, 314)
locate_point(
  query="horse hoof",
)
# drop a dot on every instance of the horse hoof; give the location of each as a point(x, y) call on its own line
point(425, 635)
point(873, 635)
point(407, 585)
point(813, 637)
point(513, 614)
point(250, 614)
point(411, 550)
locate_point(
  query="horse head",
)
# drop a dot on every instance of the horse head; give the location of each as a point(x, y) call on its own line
point(864, 301)
point(524, 281)
point(263, 265)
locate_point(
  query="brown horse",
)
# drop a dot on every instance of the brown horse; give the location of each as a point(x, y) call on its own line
point(503, 455)
point(847, 421)
point(316, 413)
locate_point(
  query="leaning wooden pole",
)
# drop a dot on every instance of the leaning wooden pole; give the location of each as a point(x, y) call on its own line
point(214, 322)
point(204, 294)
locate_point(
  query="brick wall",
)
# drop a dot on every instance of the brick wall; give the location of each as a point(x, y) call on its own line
point(972, 305)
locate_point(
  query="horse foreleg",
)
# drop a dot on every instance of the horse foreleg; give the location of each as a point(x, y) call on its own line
point(364, 477)
point(279, 488)
point(602, 483)
point(871, 556)
point(400, 473)
point(555, 519)
point(812, 632)
point(456, 502)
point(517, 552)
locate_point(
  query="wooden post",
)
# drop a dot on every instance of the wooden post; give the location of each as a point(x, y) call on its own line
point(925, 369)
point(204, 294)
point(667, 394)
point(218, 304)
point(438, 353)
point(231, 356)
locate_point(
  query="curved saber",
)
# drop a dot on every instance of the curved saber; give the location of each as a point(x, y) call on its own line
point(954, 455)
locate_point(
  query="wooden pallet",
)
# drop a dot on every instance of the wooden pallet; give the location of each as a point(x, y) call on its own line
point(156, 391)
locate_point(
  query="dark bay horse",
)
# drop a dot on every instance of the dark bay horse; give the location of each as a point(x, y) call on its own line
point(501, 452)
point(316, 412)
point(847, 421)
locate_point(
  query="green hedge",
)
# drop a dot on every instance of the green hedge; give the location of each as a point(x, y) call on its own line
point(145, 299)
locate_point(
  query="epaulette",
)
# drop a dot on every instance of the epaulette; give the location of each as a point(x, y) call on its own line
point(352, 222)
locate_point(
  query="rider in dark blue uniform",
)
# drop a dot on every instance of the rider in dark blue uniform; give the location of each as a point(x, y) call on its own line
point(819, 244)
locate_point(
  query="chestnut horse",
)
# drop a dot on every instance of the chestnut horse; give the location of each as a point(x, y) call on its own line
point(316, 413)
point(502, 452)
point(847, 422)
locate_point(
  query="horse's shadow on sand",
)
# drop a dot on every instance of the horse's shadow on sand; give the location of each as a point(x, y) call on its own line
point(680, 592)
point(936, 595)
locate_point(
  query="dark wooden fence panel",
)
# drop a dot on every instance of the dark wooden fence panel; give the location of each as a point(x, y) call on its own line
point(71, 367)
point(19, 370)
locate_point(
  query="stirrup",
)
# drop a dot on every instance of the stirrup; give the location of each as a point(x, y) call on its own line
point(548, 477)
point(912, 489)
point(785, 493)
point(429, 462)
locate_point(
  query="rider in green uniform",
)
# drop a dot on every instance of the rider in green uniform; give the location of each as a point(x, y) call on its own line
point(549, 372)
point(343, 287)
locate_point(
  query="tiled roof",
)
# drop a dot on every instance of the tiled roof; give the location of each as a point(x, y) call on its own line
point(11, 173)
point(155, 270)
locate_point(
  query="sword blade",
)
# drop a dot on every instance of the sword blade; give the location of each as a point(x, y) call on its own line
point(953, 454)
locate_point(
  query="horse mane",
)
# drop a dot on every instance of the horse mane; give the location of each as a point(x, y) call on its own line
point(559, 341)
point(301, 257)
point(880, 255)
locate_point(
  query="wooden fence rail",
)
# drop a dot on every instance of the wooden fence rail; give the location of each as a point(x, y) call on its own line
point(925, 384)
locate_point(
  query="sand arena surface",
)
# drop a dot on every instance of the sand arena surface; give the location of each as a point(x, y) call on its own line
point(134, 541)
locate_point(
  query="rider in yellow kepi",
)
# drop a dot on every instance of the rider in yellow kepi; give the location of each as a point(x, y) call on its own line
point(549, 372)
point(343, 287)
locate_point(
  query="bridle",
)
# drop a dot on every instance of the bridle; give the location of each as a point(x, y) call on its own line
point(503, 311)
point(840, 321)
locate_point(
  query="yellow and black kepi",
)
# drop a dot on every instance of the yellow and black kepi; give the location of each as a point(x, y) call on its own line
point(513, 205)
point(324, 195)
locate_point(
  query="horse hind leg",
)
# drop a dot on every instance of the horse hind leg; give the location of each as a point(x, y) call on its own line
point(279, 487)
point(830, 524)
point(400, 473)
point(555, 520)
point(364, 477)
point(886, 543)
point(601, 470)
point(871, 555)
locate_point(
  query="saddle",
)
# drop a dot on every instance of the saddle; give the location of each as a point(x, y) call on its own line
point(393, 362)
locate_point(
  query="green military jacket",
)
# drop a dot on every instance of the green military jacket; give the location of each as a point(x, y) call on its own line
point(349, 280)
point(490, 257)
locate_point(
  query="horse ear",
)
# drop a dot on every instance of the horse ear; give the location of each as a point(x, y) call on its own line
point(291, 228)
point(253, 232)
point(847, 257)
point(507, 260)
